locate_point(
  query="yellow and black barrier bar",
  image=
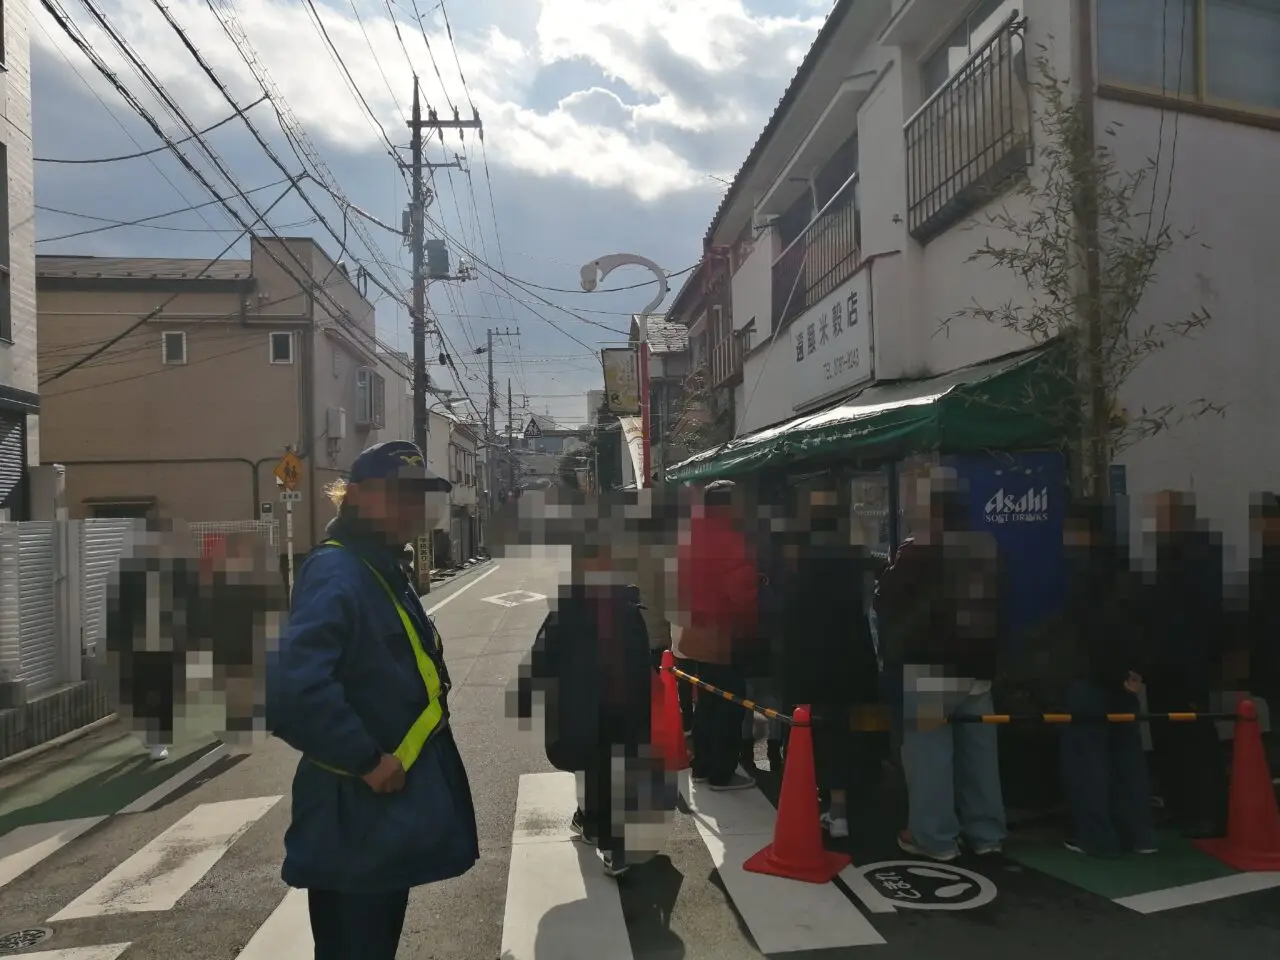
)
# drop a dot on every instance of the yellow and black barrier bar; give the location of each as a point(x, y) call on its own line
point(875, 717)
point(1064, 718)
point(734, 698)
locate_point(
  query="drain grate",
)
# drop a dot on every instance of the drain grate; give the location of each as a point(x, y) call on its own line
point(20, 939)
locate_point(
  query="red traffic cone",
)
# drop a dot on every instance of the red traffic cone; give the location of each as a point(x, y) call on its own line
point(676, 751)
point(797, 852)
point(1253, 822)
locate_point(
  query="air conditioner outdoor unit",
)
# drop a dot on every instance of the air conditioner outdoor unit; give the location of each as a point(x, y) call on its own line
point(336, 423)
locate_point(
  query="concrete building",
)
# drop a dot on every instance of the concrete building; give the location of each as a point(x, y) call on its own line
point(910, 122)
point(194, 378)
point(19, 400)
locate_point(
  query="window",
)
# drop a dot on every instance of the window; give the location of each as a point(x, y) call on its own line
point(1224, 52)
point(282, 347)
point(6, 306)
point(976, 29)
point(173, 346)
point(371, 398)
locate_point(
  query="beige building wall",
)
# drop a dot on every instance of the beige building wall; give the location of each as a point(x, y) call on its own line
point(203, 437)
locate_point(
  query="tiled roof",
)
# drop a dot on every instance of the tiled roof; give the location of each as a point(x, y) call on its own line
point(811, 59)
point(666, 336)
point(141, 268)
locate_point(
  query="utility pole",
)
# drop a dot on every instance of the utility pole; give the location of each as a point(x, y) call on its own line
point(417, 219)
point(417, 240)
point(511, 473)
point(491, 461)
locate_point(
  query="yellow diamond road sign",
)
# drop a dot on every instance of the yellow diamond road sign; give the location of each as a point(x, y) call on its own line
point(289, 471)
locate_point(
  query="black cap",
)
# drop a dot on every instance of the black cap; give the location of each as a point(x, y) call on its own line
point(396, 460)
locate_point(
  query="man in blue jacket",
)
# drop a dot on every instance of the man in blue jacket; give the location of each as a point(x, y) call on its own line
point(381, 801)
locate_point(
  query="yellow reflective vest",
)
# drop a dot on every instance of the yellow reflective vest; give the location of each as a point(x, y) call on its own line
point(431, 717)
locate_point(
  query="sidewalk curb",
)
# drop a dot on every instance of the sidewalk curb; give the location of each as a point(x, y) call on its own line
point(460, 577)
point(49, 745)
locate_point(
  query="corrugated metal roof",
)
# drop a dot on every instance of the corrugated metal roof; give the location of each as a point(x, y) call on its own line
point(811, 59)
point(141, 268)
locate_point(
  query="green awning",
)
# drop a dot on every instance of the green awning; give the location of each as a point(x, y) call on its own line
point(1011, 403)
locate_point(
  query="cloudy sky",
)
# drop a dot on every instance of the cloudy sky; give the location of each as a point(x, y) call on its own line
point(609, 126)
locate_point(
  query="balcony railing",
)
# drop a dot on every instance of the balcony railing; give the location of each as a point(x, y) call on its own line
point(821, 258)
point(971, 136)
point(726, 359)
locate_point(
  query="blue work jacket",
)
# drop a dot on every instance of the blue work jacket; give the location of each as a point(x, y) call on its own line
point(344, 689)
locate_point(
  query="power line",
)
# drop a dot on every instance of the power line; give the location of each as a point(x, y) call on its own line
point(262, 142)
point(93, 91)
point(152, 313)
point(339, 313)
point(154, 150)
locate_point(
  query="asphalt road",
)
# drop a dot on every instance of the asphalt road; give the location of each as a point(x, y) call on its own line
point(194, 870)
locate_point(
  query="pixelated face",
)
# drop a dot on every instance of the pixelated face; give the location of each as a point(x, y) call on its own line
point(398, 509)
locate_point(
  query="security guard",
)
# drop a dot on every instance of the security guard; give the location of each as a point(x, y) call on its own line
point(381, 801)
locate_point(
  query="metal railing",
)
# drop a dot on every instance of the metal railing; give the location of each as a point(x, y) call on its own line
point(726, 359)
point(971, 135)
point(821, 258)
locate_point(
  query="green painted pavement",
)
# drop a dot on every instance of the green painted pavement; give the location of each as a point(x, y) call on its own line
point(94, 785)
point(1178, 863)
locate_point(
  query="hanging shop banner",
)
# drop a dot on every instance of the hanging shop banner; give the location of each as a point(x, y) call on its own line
point(831, 343)
point(621, 381)
point(1020, 499)
point(633, 434)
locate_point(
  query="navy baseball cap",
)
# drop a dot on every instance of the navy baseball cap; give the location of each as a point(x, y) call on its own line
point(397, 460)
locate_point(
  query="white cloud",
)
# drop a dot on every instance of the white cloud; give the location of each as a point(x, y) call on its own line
point(688, 62)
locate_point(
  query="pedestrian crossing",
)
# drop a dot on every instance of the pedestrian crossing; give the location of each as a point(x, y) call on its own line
point(558, 901)
point(561, 904)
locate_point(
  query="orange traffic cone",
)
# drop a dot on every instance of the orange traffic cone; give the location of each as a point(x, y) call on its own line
point(797, 852)
point(1253, 823)
point(675, 749)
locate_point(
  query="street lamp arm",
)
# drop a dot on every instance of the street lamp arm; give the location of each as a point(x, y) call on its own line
point(597, 270)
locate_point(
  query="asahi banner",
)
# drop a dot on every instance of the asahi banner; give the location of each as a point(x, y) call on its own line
point(621, 381)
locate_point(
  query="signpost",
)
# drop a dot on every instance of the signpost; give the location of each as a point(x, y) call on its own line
point(288, 472)
point(532, 431)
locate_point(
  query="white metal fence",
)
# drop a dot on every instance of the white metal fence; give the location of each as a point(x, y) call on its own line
point(54, 578)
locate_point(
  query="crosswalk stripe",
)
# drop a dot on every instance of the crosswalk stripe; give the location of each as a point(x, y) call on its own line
point(23, 848)
point(782, 915)
point(160, 874)
point(110, 951)
point(178, 780)
point(286, 933)
point(559, 901)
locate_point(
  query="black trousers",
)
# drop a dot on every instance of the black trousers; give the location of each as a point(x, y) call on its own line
point(148, 680)
point(1187, 757)
point(600, 814)
point(717, 725)
point(355, 926)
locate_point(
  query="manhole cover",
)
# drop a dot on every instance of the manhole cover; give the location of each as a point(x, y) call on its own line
point(20, 939)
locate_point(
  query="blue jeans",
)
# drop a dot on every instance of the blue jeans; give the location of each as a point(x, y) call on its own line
point(1104, 774)
point(953, 779)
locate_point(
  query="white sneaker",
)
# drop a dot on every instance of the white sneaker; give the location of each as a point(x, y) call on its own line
point(159, 753)
point(837, 827)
